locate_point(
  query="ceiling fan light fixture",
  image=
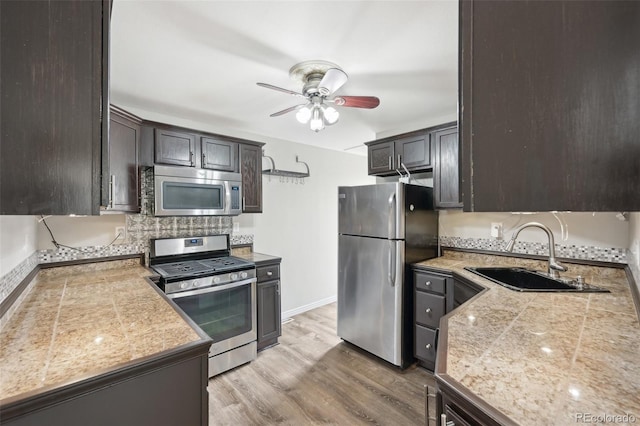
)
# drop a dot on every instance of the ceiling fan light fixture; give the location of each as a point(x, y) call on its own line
point(331, 115)
point(320, 79)
point(317, 122)
point(303, 115)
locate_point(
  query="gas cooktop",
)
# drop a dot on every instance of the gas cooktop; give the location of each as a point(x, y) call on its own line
point(195, 268)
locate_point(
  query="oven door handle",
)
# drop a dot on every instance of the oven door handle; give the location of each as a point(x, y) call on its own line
point(211, 289)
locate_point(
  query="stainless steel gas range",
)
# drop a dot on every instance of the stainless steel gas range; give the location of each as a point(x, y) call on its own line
point(216, 290)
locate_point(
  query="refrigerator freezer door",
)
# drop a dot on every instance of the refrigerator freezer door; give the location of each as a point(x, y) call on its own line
point(370, 294)
point(372, 210)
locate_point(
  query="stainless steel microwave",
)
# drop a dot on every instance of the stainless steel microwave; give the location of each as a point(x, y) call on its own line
point(187, 191)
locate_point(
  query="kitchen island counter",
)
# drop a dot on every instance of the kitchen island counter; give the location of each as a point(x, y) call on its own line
point(541, 358)
point(78, 323)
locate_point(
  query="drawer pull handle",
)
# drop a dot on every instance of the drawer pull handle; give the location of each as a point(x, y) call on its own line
point(428, 346)
point(269, 273)
point(428, 310)
point(428, 283)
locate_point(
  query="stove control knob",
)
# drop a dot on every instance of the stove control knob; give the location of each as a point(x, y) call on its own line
point(233, 277)
point(184, 285)
point(196, 283)
point(243, 275)
point(216, 280)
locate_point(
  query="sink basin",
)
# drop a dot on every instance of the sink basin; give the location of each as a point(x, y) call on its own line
point(520, 279)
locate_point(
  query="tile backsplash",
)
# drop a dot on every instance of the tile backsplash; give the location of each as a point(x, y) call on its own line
point(604, 254)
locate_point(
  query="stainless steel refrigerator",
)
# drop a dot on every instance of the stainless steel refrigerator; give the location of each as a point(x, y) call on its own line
point(382, 228)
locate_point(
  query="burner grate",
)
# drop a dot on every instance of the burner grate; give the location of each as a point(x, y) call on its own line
point(199, 267)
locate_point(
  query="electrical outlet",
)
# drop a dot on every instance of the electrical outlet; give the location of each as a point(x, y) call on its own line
point(121, 233)
point(236, 227)
point(496, 230)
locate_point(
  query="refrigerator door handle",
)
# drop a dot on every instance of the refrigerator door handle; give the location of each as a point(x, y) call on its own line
point(392, 215)
point(392, 263)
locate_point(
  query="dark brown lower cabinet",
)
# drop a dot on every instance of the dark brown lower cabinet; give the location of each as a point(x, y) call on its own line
point(269, 315)
point(433, 298)
point(162, 392)
point(454, 410)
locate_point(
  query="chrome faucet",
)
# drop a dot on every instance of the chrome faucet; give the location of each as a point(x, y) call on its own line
point(554, 265)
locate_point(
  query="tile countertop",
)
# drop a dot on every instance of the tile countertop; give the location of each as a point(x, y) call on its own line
point(543, 358)
point(83, 320)
point(258, 258)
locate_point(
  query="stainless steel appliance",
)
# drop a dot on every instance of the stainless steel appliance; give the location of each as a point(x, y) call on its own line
point(216, 290)
point(381, 229)
point(187, 191)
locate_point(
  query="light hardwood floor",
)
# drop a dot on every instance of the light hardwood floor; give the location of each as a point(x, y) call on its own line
point(313, 377)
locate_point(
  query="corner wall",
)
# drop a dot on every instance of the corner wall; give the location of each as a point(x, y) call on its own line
point(300, 220)
point(17, 251)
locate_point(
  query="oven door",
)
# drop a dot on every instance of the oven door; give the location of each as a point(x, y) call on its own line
point(227, 313)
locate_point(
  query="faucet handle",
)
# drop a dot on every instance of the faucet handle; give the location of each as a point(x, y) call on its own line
point(554, 264)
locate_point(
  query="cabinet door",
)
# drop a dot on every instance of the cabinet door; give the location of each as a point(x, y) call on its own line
point(251, 170)
point(381, 158)
point(446, 168)
point(414, 152)
point(550, 118)
point(54, 74)
point(269, 322)
point(175, 148)
point(121, 175)
point(219, 155)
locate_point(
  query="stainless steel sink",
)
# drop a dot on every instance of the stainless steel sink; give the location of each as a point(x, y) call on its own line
point(520, 279)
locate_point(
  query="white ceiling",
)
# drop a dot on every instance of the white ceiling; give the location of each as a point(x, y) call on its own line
point(200, 61)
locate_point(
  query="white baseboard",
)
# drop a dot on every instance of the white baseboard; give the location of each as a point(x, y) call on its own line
point(296, 311)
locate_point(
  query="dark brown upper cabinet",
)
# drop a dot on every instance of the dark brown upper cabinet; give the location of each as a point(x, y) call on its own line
point(550, 105)
point(387, 155)
point(120, 169)
point(414, 152)
point(251, 170)
point(381, 158)
point(54, 88)
point(446, 168)
point(176, 148)
point(219, 154)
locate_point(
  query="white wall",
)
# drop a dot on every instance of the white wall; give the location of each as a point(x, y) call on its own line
point(581, 229)
point(80, 231)
point(300, 222)
point(17, 241)
point(634, 237)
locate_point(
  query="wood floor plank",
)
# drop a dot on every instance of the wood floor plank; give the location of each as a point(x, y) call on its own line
point(313, 377)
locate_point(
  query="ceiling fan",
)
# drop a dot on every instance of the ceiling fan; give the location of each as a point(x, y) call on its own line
point(320, 80)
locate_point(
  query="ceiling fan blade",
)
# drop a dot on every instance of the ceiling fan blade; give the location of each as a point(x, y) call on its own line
point(284, 111)
point(280, 89)
point(357, 101)
point(333, 79)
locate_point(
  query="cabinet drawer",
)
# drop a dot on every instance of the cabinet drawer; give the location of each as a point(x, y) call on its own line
point(425, 339)
point(268, 272)
point(429, 282)
point(429, 308)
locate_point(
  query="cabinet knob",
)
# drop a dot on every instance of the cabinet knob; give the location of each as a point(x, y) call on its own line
point(428, 346)
point(428, 283)
point(269, 273)
point(428, 310)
